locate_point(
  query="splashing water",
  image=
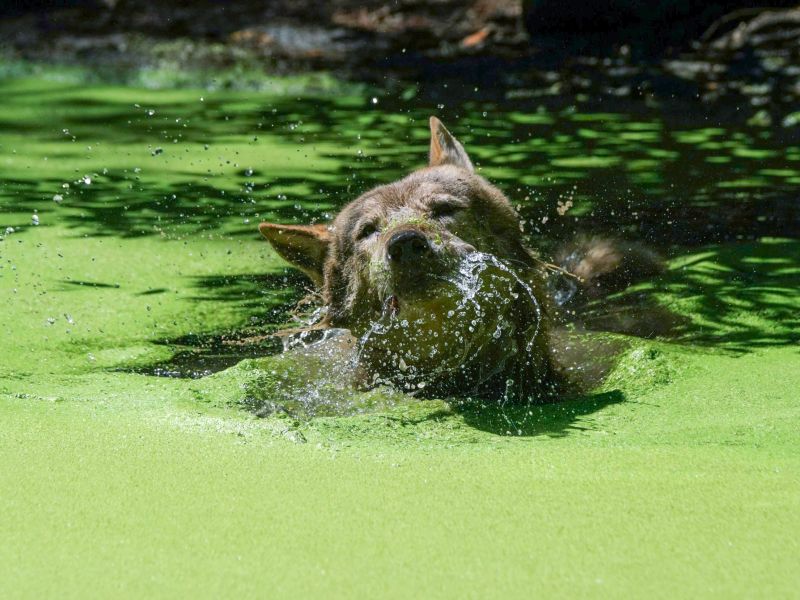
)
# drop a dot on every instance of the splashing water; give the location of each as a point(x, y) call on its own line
point(466, 330)
point(472, 326)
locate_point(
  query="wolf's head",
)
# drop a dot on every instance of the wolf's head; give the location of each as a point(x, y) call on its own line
point(398, 252)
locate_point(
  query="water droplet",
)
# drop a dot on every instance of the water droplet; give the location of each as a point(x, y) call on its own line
point(58, 198)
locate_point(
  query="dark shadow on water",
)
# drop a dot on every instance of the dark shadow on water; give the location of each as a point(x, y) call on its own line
point(744, 296)
point(91, 284)
point(264, 300)
point(270, 293)
point(553, 420)
point(197, 356)
point(737, 297)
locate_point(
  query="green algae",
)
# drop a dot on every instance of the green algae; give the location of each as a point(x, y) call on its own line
point(677, 476)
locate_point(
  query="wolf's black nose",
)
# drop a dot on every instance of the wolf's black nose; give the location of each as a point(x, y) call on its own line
point(407, 246)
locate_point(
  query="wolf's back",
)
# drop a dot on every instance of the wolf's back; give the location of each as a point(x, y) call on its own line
point(596, 266)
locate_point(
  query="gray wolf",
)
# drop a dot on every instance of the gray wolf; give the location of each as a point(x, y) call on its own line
point(432, 276)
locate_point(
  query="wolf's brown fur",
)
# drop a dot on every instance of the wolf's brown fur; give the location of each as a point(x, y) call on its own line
point(605, 265)
point(389, 249)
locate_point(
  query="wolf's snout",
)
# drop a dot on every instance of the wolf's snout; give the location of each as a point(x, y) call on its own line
point(406, 247)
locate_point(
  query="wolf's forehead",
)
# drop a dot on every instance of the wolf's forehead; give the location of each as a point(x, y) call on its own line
point(412, 193)
point(402, 194)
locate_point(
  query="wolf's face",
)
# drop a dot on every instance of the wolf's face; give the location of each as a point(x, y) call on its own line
point(412, 268)
point(403, 242)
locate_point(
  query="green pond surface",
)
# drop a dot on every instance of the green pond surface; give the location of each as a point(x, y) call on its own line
point(677, 475)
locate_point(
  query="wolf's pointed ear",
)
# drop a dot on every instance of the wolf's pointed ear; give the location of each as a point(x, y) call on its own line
point(445, 149)
point(305, 246)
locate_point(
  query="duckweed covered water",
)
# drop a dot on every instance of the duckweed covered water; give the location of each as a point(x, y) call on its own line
point(129, 251)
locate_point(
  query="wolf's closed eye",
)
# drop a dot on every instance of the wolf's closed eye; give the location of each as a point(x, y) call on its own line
point(445, 209)
point(366, 230)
